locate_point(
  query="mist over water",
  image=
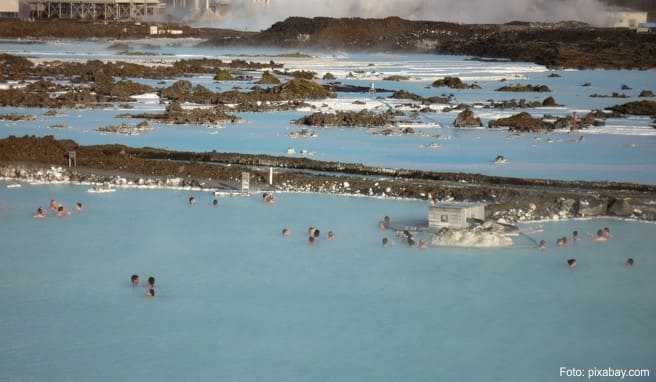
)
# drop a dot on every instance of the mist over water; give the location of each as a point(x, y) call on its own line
point(257, 15)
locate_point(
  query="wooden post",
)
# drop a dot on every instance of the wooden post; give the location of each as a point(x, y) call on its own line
point(72, 159)
point(245, 182)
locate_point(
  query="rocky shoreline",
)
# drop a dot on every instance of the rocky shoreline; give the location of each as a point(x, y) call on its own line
point(509, 199)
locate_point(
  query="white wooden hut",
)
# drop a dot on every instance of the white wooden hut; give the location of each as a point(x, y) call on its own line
point(454, 215)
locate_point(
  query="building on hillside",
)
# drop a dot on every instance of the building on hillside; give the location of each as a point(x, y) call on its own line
point(9, 9)
point(630, 20)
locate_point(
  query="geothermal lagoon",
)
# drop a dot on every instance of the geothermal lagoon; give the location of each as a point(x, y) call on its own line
point(237, 301)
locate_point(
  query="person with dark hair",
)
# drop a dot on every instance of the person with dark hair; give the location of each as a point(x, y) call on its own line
point(575, 236)
point(311, 240)
point(386, 242)
point(286, 232)
point(316, 234)
point(40, 213)
point(134, 280)
point(542, 244)
point(600, 238)
point(571, 263)
point(62, 212)
point(150, 287)
point(215, 202)
point(192, 200)
point(607, 233)
point(330, 236)
point(629, 262)
point(78, 206)
point(386, 223)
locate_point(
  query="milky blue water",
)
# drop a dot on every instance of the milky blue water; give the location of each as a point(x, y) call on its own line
point(238, 302)
point(623, 150)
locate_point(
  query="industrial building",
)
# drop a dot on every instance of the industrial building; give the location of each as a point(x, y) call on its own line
point(115, 10)
point(455, 215)
point(9, 9)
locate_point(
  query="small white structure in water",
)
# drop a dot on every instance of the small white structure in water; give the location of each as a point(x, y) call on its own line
point(454, 215)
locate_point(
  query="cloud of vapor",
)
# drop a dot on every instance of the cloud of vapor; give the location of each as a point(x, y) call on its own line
point(259, 14)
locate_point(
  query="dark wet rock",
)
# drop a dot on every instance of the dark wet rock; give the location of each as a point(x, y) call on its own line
point(223, 75)
point(524, 88)
point(613, 95)
point(636, 108)
point(514, 104)
point(625, 87)
point(329, 77)
point(554, 75)
point(362, 118)
point(268, 79)
point(586, 84)
point(122, 90)
point(453, 83)
point(16, 117)
point(347, 88)
point(301, 74)
point(396, 78)
point(299, 88)
point(126, 129)
point(549, 102)
point(179, 91)
point(467, 118)
point(522, 122)
point(402, 94)
point(620, 207)
point(647, 93)
point(176, 114)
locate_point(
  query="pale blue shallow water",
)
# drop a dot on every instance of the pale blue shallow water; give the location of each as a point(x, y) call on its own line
point(236, 302)
point(624, 150)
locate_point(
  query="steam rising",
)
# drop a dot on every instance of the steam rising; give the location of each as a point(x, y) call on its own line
point(258, 14)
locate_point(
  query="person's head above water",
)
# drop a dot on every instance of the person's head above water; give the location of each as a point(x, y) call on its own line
point(151, 280)
point(387, 219)
point(600, 232)
point(285, 231)
point(134, 279)
point(571, 263)
point(575, 234)
point(629, 262)
point(215, 202)
point(311, 239)
point(385, 241)
point(316, 233)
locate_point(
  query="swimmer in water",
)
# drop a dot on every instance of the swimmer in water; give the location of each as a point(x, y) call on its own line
point(286, 232)
point(330, 236)
point(600, 238)
point(53, 205)
point(575, 236)
point(78, 206)
point(316, 234)
point(215, 202)
point(571, 263)
point(40, 213)
point(150, 287)
point(607, 234)
point(62, 212)
point(311, 231)
point(542, 244)
point(386, 242)
point(311, 240)
point(385, 223)
point(134, 280)
point(150, 292)
point(192, 200)
point(629, 262)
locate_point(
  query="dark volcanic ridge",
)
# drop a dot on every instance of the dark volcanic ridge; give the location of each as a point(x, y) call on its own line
point(512, 199)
